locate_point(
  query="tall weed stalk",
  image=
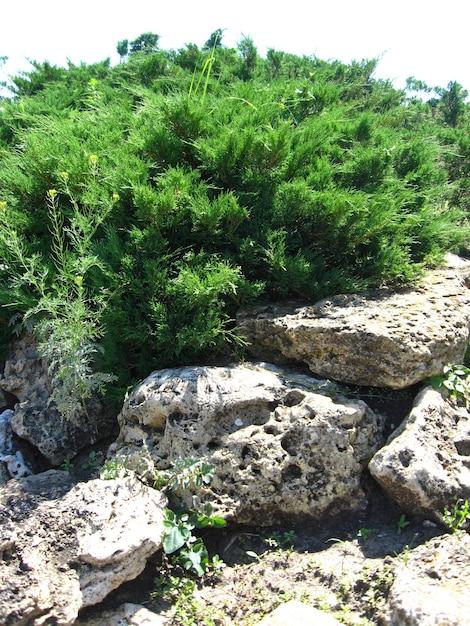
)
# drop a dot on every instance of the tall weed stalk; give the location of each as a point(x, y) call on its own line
point(65, 317)
point(206, 71)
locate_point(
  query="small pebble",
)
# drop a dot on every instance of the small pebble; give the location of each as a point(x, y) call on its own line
point(428, 524)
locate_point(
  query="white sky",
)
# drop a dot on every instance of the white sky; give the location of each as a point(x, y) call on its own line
point(420, 38)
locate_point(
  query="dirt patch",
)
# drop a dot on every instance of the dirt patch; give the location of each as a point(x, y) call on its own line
point(344, 567)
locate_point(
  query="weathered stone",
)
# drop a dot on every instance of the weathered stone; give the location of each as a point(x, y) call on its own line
point(434, 586)
point(3, 400)
point(425, 465)
point(126, 615)
point(36, 419)
point(68, 546)
point(295, 613)
point(384, 338)
point(25, 374)
point(16, 460)
point(279, 446)
point(6, 433)
point(12, 461)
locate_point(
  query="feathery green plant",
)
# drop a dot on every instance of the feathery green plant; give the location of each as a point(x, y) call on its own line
point(66, 317)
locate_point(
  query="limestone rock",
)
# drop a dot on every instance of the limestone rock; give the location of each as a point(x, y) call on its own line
point(16, 465)
point(16, 460)
point(6, 433)
point(383, 338)
point(425, 465)
point(434, 586)
point(35, 418)
point(280, 447)
point(67, 546)
point(295, 612)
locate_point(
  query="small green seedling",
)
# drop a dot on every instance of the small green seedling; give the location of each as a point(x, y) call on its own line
point(455, 380)
point(456, 519)
point(289, 537)
point(402, 523)
point(67, 465)
point(364, 533)
point(114, 469)
point(92, 462)
point(336, 540)
point(253, 555)
point(281, 540)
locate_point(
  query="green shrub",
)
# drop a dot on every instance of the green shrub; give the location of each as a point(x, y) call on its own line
point(190, 182)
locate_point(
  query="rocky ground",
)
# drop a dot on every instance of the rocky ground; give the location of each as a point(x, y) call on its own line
point(344, 567)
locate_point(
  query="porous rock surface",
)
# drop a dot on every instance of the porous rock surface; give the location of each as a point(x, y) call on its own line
point(425, 465)
point(279, 446)
point(36, 419)
point(66, 546)
point(383, 338)
point(433, 587)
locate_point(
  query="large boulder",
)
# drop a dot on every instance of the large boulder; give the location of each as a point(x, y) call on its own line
point(279, 446)
point(425, 465)
point(384, 338)
point(433, 587)
point(66, 546)
point(36, 419)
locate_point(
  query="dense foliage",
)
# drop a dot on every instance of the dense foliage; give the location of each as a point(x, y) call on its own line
point(141, 204)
